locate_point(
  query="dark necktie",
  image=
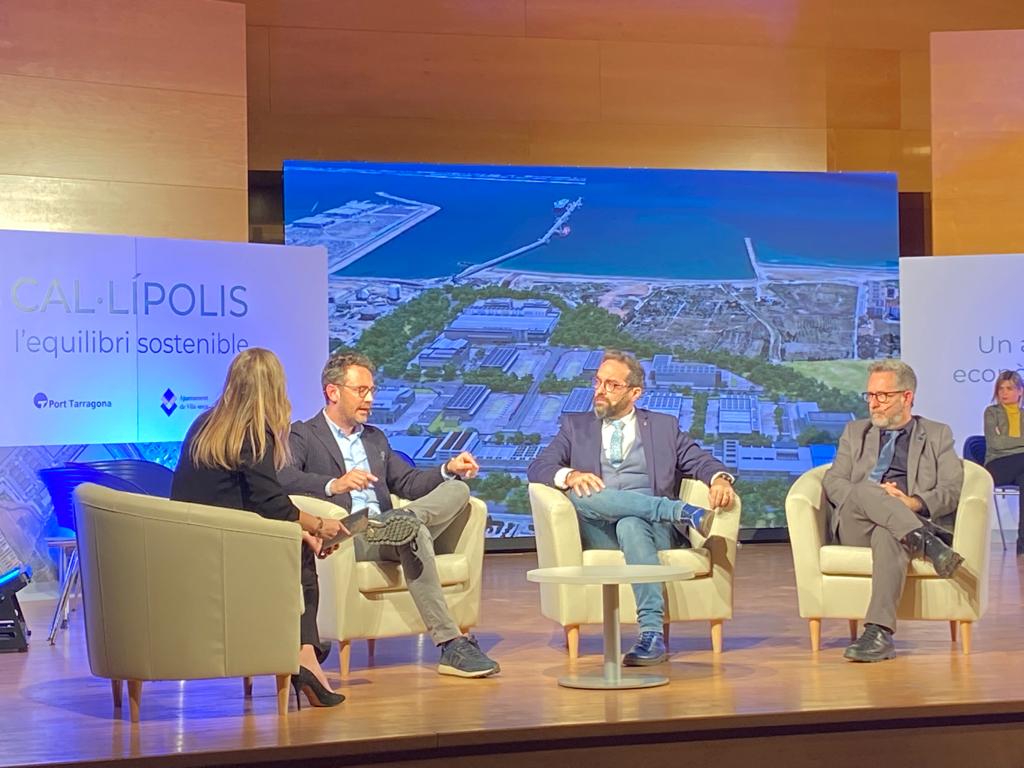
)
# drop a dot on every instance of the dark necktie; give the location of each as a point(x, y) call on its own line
point(885, 455)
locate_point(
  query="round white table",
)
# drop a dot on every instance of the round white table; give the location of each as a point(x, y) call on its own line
point(610, 577)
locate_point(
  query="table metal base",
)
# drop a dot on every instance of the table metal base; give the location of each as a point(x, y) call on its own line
point(599, 682)
point(612, 678)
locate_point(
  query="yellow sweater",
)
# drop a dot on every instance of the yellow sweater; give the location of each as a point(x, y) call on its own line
point(1013, 416)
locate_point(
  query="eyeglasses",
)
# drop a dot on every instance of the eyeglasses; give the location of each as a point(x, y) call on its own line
point(361, 392)
point(881, 397)
point(612, 387)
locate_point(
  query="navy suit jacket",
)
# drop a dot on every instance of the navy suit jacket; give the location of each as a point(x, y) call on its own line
point(671, 454)
point(316, 458)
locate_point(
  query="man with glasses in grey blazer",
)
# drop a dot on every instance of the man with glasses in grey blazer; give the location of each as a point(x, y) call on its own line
point(894, 486)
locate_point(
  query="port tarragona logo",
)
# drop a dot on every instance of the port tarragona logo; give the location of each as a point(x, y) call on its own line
point(40, 400)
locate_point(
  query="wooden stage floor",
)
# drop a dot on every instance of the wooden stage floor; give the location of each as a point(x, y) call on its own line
point(765, 687)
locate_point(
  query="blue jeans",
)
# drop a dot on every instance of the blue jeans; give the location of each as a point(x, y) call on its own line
point(639, 525)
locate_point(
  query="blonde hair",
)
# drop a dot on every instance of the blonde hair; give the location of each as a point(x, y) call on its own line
point(254, 400)
point(1011, 376)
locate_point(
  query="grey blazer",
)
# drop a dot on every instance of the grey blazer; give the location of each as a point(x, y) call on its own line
point(316, 459)
point(934, 471)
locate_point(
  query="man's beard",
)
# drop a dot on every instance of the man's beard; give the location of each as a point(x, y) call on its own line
point(882, 421)
point(609, 411)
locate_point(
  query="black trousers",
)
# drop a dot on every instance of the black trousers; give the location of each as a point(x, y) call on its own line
point(1009, 470)
point(308, 633)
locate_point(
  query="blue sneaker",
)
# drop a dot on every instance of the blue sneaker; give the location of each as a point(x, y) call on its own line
point(649, 649)
point(697, 518)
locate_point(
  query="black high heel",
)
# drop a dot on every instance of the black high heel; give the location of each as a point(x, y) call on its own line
point(316, 694)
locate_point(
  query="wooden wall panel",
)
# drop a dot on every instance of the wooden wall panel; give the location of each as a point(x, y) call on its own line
point(906, 24)
point(736, 22)
point(257, 52)
point(979, 81)
point(462, 17)
point(915, 91)
point(978, 137)
point(276, 138)
point(185, 45)
point(371, 74)
point(115, 207)
point(124, 116)
point(672, 146)
point(906, 153)
point(96, 131)
point(800, 84)
point(863, 89)
point(712, 85)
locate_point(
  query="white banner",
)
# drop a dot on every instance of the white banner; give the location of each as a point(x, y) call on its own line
point(108, 339)
point(961, 325)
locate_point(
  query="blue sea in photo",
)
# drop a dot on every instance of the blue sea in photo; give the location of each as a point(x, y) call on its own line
point(676, 224)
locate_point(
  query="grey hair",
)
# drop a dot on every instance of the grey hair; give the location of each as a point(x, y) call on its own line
point(635, 377)
point(905, 376)
point(338, 363)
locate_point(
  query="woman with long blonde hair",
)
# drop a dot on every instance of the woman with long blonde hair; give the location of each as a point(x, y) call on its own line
point(230, 458)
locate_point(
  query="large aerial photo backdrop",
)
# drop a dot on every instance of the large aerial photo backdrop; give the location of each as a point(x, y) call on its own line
point(486, 295)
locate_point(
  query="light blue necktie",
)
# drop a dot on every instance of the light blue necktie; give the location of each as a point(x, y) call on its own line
point(885, 455)
point(615, 445)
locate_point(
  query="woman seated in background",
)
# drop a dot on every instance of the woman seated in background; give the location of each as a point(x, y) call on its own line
point(1004, 439)
point(230, 458)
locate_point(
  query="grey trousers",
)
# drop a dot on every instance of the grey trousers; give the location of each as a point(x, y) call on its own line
point(869, 517)
point(444, 507)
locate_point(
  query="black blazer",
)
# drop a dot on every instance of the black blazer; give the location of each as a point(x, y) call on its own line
point(253, 487)
point(316, 459)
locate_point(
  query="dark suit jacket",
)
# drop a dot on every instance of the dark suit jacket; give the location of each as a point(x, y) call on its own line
point(670, 453)
point(253, 487)
point(934, 471)
point(316, 459)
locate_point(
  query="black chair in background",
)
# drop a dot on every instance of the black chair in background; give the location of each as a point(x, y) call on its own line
point(151, 478)
point(128, 475)
point(974, 450)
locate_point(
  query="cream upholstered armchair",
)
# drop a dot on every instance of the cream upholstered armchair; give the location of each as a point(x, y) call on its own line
point(834, 581)
point(177, 591)
point(367, 600)
point(706, 597)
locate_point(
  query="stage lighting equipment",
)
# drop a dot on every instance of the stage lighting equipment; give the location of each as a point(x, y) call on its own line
point(13, 631)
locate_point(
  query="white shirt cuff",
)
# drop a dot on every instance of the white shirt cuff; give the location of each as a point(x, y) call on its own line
point(446, 474)
point(561, 476)
point(726, 475)
point(327, 488)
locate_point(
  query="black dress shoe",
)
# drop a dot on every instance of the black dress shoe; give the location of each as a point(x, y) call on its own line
point(874, 644)
point(943, 533)
point(923, 543)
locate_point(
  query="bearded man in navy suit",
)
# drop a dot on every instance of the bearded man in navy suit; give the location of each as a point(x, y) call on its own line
point(621, 467)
